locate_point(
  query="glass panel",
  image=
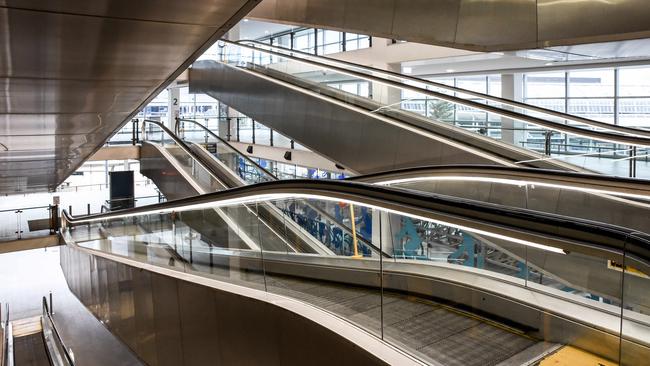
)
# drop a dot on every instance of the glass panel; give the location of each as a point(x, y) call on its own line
point(596, 109)
point(592, 83)
point(545, 85)
point(636, 303)
point(634, 82)
point(634, 112)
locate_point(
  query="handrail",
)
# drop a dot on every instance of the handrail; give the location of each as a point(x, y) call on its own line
point(183, 147)
point(544, 230)
point(593, 183)
point(225, 142)
point(46, 314)
point(555, 126)
point(6, 359)
point(508, 102)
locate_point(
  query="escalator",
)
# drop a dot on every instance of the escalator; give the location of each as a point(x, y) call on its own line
point(597, 198)
point(372, 129)
point(33, 341)
point(438, 310)
point(183, 169)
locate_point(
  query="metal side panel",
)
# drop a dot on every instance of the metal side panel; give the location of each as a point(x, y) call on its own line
point(345, 135)
point(478, 25)
point(197, 325)
point(73, 72)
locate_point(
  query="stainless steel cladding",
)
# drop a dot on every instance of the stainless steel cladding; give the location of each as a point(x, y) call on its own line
point(480, 25)
point(71, 73)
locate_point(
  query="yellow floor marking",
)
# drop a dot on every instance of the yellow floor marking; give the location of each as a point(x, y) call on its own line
point(570, 356)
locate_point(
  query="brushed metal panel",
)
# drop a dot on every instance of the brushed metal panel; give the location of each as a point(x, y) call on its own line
point(202, 12)
point(478, 25)
point(497, 22)
point(72, 66)
point(565, 22)
point(81, 96)
point(239, 323)
point(323, 11)
point(424, 19)
point(364, 16)
point(201, 332)
point(144, 316)
point(342, 134)
point(169, 350)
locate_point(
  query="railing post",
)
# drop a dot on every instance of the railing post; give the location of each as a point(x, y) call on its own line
point(547, 142)
point(633, 162)
point(19, 230)
point(51, 307)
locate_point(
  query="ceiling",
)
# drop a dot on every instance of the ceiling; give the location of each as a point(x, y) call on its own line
point(73, 72)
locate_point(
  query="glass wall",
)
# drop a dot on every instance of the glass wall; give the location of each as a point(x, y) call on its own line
point(465, 117)
point(615, 95)
point(319, 41)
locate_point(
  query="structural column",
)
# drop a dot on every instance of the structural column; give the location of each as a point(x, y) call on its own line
point(173, 106)
point(512, 88)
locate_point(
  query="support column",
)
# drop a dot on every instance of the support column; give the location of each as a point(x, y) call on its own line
point(173, 107)
point(380, 92)
point(512, 88)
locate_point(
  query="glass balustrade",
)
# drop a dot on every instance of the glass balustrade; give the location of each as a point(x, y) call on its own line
point(608, 153)
point(603, 288)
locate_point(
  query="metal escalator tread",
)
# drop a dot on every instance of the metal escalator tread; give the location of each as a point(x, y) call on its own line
point(30, 350)
point(434, 331)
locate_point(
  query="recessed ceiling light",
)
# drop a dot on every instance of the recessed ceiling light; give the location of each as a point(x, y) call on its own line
point(245, 20)
point(450, 70)
point(549, 64)
point(266, 32)
point(498, 53)
point(407, 70)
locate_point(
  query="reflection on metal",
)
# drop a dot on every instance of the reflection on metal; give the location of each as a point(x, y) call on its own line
point(370, 73)
point(480, 25)
point(71, 73)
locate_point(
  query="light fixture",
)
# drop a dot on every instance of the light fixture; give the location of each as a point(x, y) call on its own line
point(450, 70)
point(266, 32)
point(245, 20)
point(287, 155)
point(407, 70)
point(249, 149)
point(549, 64)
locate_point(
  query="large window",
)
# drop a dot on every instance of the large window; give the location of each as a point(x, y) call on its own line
point(319, 41)
point(618, 96)
point(470, 118)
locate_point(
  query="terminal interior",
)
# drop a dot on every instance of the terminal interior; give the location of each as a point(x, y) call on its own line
point(265, 182)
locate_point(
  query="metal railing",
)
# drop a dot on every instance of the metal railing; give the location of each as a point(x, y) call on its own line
point(58, 353)
point(7, 357)
point(28, 221)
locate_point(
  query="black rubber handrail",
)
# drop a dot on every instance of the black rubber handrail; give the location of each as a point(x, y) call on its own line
point(509, 102)
point(520, 224)
point(611, 184)
point(225, 142)
point(57, 336)
point(551, 125)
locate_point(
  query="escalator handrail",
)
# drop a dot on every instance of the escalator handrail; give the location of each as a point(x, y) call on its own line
point(516, 224)
point(346, 229)
point(562, 179)
point(225, 142)
point(183, 147)
point(509, 102)
point(551, 125)
point(47, 314)
point(6, 359)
